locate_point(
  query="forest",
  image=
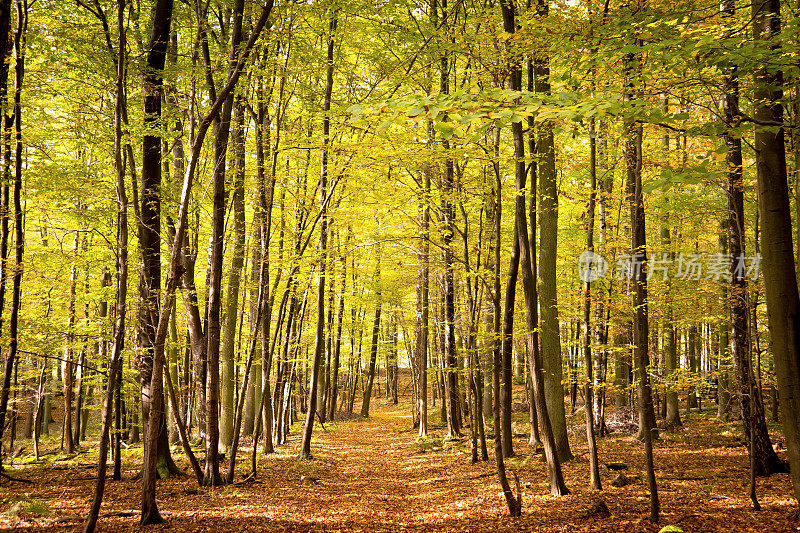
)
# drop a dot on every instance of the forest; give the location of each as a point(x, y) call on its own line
point(400, 265)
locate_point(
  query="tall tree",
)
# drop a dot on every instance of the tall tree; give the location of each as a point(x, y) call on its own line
point(548, 252)
point(19, 235)
point(594, 471)
point(765, 461)
point(120, 307)
point(66, 429)
point(451, 402)
point(150, 229)
point(216, 248)
point(423, 301)
point(324, 193)
point(229, 342)
point(641, 332)
point(780, 283)
point(520, 254)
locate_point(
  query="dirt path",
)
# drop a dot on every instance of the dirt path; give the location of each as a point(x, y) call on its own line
point(371, 475)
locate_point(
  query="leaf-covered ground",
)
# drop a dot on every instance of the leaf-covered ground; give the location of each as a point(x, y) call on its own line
point(374, 475)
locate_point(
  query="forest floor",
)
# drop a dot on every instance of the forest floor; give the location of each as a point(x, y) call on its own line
point(375, 475)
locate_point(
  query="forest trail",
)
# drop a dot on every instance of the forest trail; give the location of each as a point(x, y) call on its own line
point(374, 475)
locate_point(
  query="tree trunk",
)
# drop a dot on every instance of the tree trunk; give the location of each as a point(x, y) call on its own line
point(253, 399)
point(502, 342)
point(547, 283)
point(115, 367)
point(641, 340)
point(423, 304)
point(251, 355)
point(319, 342)
point(723, 328)
point(505, 398)
point(376, 328)
point(66, 434)
point(228, 351)
point(521, 256)
point(150, 246)
point(594, 471)
point(783, 303)
point(216, 248)
point(334, 394)
point(19, 230)
point(765, 461)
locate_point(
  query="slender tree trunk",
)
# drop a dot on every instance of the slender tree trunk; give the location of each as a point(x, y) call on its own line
point(505, 398)
point(122, 277)
point(641, 340)
point(19, 232)
point(334, 394)
point(451, 401)
point(228, 351)
point(253, 394)
point(150, 230)
point(118, 344)
point(547, 289)
point(376, 328)
point(723, 328)
point(172, 369)
point(216, 248)
point(594, 470)
point(324, 381)
point(673, 416)
point(534, 440)
point(514, 503)
point(150, 246)
point(319, 342)
point(521, 257)
point(66, 435)
point(423, 304)
point(251, 354)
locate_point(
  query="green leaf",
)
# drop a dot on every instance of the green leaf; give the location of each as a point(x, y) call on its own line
point(670, 529)
point(445, 129)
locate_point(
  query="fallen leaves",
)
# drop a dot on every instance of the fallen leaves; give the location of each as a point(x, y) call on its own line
point(367, 475)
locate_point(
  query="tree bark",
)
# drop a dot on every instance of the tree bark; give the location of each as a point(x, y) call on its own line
point(334, 394)
point(19, 231)
point(765, 461)
point(228, 351)
point(376, 328)
point(423, 304)
point(548, 289)
point(319, 342)
point(783, 303)
point(150, 246)
point(641, 340)
point(514, 503)
point(521, 257)
point(66, 434)
point(216, 249)
point(115, 367)
point(594, 471)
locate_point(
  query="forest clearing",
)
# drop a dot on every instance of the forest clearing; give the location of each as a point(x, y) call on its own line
point(400, 264)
